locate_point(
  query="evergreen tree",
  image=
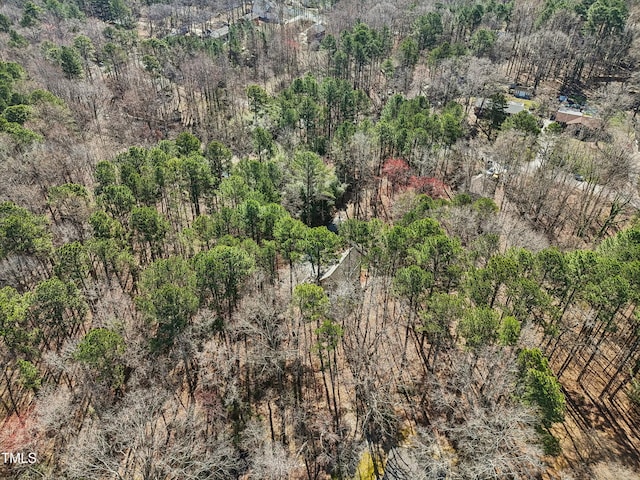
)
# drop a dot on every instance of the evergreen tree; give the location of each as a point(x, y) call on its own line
point(70, 62)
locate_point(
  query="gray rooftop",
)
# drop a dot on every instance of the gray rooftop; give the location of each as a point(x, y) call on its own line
point(220, 32)
point(512, 107)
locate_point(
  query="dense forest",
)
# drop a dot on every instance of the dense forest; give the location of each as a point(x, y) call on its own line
point(319, 239)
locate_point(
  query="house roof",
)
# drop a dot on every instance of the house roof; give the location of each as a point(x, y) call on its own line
point(266, 10)
point(571, 116)
point(316, 29)
point(586, 121)
point(334, 267)
point(251, 16)
point(274, 11)
point(511, 109)
point(566, 115)
point(220, 32)
point(571, 111)
point(514, 107)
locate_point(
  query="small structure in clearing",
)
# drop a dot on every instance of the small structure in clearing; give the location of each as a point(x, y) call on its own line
point(346, 270)
point(484, 104)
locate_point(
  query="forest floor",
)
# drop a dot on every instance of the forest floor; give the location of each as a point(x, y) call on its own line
point(597, 441)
